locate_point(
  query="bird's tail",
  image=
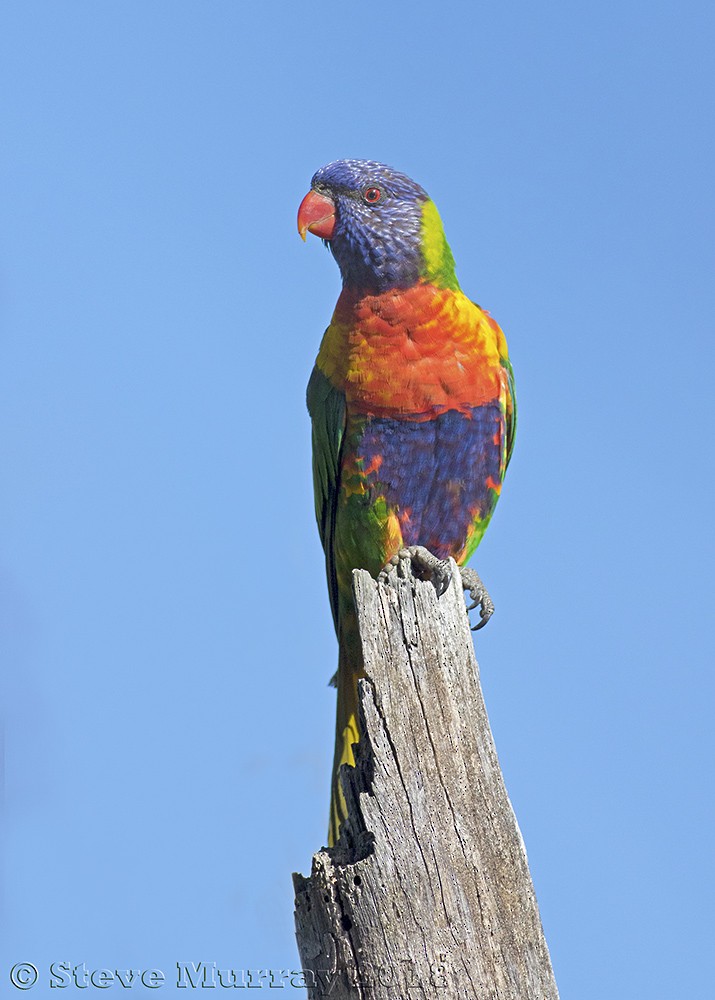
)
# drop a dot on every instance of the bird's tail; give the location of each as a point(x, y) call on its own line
point(347, 732)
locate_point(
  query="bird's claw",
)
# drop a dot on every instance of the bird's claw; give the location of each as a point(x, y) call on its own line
point(417, 561)
point(472, 582)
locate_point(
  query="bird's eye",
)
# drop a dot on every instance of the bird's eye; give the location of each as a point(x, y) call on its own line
point(372, 195)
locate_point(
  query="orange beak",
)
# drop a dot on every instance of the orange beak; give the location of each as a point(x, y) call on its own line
point(316, 215)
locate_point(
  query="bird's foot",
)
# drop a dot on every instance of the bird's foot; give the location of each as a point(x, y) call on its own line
point(417, 561)
point(472, 582)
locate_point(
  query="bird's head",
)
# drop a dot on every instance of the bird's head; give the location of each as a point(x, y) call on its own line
point(382, 227)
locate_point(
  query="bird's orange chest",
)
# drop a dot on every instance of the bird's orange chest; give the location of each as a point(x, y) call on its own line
point(411, 353)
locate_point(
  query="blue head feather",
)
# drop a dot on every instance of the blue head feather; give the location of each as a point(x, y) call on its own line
point(377, 246)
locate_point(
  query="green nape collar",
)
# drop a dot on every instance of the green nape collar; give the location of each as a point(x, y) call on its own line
point(436, 254)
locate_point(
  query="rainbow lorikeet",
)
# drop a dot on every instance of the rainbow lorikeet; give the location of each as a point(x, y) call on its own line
point(412, 406)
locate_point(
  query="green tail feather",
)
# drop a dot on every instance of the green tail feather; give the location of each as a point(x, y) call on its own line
point(347, 733)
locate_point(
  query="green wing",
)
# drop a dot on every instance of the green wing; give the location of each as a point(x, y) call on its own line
point(326, 406)
point(510, 410)
point(511, 390)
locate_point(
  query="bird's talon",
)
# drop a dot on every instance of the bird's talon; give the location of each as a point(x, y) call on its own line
point(479, 595)
point(417, 561)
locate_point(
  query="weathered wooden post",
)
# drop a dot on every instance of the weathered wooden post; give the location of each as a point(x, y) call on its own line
point(428, 894)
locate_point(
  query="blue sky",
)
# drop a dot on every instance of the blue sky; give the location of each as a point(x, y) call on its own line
point(166, 639)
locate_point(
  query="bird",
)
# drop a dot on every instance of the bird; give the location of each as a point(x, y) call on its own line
point(412, 405)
